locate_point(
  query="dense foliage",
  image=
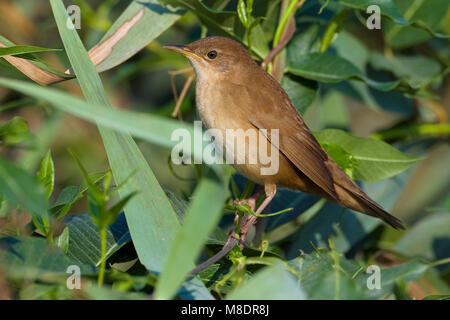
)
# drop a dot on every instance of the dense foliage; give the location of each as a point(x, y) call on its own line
point(86, 178)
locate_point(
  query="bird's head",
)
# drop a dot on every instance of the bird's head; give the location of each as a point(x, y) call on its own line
point(215, 56)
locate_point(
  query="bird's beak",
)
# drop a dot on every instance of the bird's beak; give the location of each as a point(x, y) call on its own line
point(183, 50)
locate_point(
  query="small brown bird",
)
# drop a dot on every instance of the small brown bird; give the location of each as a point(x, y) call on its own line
point(234, 92)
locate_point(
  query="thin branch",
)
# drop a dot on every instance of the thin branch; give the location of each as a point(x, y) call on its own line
point(186, 87)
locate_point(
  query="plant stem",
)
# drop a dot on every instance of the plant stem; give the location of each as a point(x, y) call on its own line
point(413, 130)
point(101, 274)
point(284, 19)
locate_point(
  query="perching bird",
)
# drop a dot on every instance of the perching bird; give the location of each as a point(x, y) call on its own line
point(234, 92)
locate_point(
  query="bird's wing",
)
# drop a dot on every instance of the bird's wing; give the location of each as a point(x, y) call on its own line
point(296, 142)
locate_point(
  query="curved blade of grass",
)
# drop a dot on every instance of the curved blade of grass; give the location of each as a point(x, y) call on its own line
point(16, 50)
point(32, 67)
point(138, 25)
point(200, 220)
point(150, 217)
point(152, 128)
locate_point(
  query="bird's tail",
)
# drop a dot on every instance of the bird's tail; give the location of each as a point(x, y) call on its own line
point(375, 210)
point(352, 196)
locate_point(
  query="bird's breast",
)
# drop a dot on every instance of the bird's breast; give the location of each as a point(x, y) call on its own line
point(234, 136)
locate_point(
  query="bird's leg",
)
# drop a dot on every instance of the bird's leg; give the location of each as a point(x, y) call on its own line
point(270, 190)
point(233, 239)
point(241, 220)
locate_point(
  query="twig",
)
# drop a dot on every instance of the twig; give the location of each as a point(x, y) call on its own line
point(182, 95)
point(283, 42)
point(219, 255)
point(414, 130)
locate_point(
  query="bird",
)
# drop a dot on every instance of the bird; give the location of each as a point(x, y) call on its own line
point(234, 92)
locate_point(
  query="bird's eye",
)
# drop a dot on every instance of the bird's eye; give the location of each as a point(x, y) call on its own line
point(212, 54)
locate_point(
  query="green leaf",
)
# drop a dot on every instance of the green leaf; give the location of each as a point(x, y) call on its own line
point(155, 129)
point(148, 18)
point(374, 159)
point(322, 276)
point(19, 187)
point(388, 8)
point(302, 92)
point(428, 239)
point(272, 283)
point(84, 240)
point(302, 44)
point(18, 50)
point(242, 13)
point(209, 196)
point(417, 71)
point(14, 131)
point(46, 174)
point(34, 258)
point(46, 75)
point(328, 67)
point(62, 240)
point(424, 17)
point(225, 23)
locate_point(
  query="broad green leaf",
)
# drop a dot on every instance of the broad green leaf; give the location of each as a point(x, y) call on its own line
point(428, 239)
point(302, 44)
point(19, 187)
point(424, 17)
point(272, 283)
point(34, 258)
point(387, 8)
point(46, 174)
point(351, 48)
point(67, 195)
point(323, 276)
point(408, 271)
point(209, 197)
point(150, 217)
point(84, 238)
point(417, 71)
point(373, 159)
point(328, 67)
point(14, 131)
point(333, 110)
point(302, 92)
point(19, 50)
point(225, 23)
